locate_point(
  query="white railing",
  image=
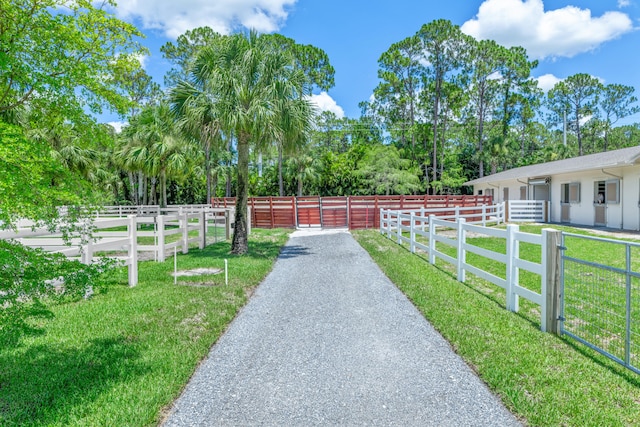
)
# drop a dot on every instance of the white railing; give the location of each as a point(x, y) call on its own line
point(424, 233)
point(151, 210)
point(527, 211)
point(103, 238)
point(485, 215)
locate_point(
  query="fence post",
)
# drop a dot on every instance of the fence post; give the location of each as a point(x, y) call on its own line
point(87, 250)
point(388, 230)
point(462, 254)
point(457, 212)
point(552, 295)
point(184, 224)
point(248, 220)
point(202, 230)
point(513, 251)
point(432, 241)
point(381, 220)
point(412, 233)
point(399, 227)
point(506, 211)
point(484, 215)
point(227, 224)
point(161, 237)
point(133, 250)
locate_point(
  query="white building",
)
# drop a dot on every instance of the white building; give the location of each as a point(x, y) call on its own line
point(600, 189)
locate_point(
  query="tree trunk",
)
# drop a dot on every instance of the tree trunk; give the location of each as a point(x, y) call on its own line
point(145, 198)
point(140, 187)
point(207, 167)
point(228, 184)
point(436, 112)
point(239, 244)
point(300, 187)
point(579, 134)
point(214, 185)
point(152, 200)
point(132, 186)
point(163, 189)
point(280, 182)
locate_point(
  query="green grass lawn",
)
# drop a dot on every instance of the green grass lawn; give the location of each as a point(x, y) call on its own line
point(542, 378)
point(121, 357)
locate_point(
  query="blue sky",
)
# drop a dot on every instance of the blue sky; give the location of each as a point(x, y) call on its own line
point(599, 37)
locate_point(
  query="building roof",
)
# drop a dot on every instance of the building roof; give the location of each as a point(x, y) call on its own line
point(607, 159)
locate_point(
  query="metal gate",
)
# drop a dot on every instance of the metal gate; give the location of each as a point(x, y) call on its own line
point(601, 296)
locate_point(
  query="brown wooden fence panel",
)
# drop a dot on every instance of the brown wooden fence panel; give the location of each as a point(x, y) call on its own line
point(363, 212)
point(334, 212)
point(356, 212)
point(309, 214)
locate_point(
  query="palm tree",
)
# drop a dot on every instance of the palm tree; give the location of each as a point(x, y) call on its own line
point(259, 97)
point(158, 149)
point(304, 168)
point(195, 106)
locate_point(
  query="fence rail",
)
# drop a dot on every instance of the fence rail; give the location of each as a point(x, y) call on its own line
point(427, 233)
point(100, 237)
point(527, 211)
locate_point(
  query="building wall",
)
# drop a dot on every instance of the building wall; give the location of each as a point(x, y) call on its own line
point(623, 215)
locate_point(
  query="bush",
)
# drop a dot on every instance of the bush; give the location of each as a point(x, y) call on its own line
point(31, 279)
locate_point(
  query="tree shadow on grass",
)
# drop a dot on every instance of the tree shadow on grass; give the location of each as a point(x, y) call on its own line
point(22, 323)
point(45, 384)
point(602, 360)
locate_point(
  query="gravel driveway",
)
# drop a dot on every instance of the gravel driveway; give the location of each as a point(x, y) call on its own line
point(327, 339)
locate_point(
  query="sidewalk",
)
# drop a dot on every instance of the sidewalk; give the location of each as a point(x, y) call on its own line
point(327, 339)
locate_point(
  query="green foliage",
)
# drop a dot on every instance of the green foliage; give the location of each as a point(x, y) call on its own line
point(384, 172)
point(63, 53)
point(183, 53)
point(33, 184)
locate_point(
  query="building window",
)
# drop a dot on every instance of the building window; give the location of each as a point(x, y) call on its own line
point(570, 193)
point(612, 194)
point(606, 192)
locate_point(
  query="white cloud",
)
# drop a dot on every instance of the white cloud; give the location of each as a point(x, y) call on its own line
point(175, 17)
point(546, 82)
point(142, 59)
point(325, 102)
point(624, 3)
point(118, 126)
point(554, 33)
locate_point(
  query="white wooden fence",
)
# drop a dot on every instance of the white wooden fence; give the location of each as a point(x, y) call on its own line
point(103, 239)
point(144, 210)
point(424, 232)
point(527, 211)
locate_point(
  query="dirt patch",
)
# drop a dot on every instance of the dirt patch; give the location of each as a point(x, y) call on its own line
point(196, 272)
